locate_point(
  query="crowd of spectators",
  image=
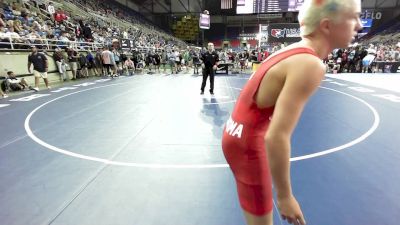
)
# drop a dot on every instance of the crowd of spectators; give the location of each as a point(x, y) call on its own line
point(375, 52)
point(45, 23)
point(366, 57)
point(61, 27)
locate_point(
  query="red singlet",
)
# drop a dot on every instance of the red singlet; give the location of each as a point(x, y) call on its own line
point(243, 141)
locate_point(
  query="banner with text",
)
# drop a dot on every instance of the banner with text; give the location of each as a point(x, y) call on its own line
point(284, 32)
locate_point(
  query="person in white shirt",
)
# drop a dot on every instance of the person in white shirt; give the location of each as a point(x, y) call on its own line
point(11, 34)
point(50, 9)
point(108, 63)
point(368, 59)
point(15, 83)
point(130, 66)
point(4, 39)
point(33, 36)
point(14, 37)
point(36, 26)
point(125, 35)
point(177, 60)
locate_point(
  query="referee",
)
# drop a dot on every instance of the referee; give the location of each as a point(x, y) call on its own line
point(210, 61)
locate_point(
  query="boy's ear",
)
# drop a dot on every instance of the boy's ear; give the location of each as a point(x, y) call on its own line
point(325, 25)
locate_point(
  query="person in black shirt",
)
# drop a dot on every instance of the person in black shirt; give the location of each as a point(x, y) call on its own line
point(40, 67)
point(157, 61)
point(149, 61)
point(196, 61)
point(210, 61)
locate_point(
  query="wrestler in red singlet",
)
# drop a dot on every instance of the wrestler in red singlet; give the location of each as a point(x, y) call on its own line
point(243, 141)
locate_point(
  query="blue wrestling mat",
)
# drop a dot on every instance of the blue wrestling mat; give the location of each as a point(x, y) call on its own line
point(145, 150)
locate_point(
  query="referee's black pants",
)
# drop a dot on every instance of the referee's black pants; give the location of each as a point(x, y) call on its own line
point(208, 71)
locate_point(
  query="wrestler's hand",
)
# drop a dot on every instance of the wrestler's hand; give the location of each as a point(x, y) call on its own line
point(290, 210)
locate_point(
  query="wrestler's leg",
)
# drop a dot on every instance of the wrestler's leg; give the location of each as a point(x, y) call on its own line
point(258, 220)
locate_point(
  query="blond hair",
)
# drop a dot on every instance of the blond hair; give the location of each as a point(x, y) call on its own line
point(313, 11)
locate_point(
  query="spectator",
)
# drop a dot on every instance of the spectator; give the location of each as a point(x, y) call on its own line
point(156, 61)
point(83, 63)
point(14, 83)
point(40, 67)
point(149, 61)
point(17, 26)
point(11, 34)
point(73, 61)
point(59, 16)
point(367, 60)
point(171, 61)
point(87, 33)
point(125, 35)
point(34, 38)
point(196, 62)
point(50, 9)
point(117, 57)
point(61, 65)
point(108, 61)
point(36, 26)
point(64, 41)
point(91, 63)
point(4, 38)
point(130, 66)
point(99, 62)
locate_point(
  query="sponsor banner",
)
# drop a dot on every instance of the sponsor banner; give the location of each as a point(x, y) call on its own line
point(284, 32)
point(366, 22)
point(126, 44)
point(263, 36)
point(371, 15)
point(204, 21)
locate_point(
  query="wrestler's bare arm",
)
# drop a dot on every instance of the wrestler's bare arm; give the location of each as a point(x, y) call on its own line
point(302, 79)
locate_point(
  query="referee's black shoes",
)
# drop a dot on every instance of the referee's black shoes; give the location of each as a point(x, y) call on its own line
point(211, 92)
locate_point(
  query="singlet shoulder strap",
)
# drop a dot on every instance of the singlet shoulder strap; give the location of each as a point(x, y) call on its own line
point(274, 59)
point(271, 61)
point(285, 54)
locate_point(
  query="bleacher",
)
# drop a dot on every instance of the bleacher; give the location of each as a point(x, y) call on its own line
point(28, 23)
point(389, 31)
point(107, 23)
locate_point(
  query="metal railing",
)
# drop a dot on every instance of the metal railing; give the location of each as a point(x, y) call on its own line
point(48, 43)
